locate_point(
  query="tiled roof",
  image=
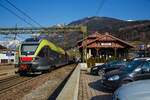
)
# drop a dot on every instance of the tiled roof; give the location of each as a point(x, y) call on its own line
point(108, 38)
point(96, 34)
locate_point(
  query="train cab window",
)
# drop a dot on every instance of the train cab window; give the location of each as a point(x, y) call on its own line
point(28, 49)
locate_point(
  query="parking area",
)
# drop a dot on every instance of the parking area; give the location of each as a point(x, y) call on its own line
point(90, 88)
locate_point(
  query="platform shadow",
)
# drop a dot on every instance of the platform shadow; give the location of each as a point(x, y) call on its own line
point(57, 91)
point(97, 85)
point(88, 73)
point(103, 97)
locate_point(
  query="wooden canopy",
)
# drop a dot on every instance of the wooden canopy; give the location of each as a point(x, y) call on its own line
point(104, 46)
point(104, 41)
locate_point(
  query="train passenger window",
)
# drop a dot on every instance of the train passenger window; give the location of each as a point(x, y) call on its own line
point(52, 55)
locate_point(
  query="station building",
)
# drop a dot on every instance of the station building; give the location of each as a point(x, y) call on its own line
point(8, 56)
point(104, 46)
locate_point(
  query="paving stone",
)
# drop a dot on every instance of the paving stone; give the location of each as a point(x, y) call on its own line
point(90, 88)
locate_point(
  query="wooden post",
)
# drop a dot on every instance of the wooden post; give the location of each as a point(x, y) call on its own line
point(115, 50)
point(97, 49)
point(124, 52)
point(127, 53)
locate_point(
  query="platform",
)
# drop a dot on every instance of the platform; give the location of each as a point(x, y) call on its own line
point(90, 88)
point(84, 86)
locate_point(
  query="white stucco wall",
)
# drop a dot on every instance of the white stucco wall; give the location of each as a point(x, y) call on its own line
point(9, 58)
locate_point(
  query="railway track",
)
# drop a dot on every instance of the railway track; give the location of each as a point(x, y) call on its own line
point(12, 82)
point(9, 78)
point(10, 87)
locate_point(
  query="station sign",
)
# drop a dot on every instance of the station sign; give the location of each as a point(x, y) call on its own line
point(106, 44)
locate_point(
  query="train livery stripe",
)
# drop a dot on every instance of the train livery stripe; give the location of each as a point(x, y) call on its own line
point(20, 51)
point(52, 46)
point(26, 58)
point(61, 51)
point(68, 53)
point(46, 43)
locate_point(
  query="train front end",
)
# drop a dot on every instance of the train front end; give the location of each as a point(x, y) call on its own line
point(27, 61)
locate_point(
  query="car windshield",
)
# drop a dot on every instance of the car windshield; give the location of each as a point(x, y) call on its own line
point(115, 63)
point(111, 63)
point(132, 65)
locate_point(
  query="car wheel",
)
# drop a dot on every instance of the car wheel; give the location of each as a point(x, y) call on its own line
point(101, 73)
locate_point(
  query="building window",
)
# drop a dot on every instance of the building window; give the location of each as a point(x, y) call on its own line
point(12, 60)
point(4, 61)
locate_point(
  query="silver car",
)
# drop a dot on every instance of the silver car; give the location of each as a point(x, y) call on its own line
point(138, 90)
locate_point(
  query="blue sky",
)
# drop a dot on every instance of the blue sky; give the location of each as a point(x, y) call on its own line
point(52, 12)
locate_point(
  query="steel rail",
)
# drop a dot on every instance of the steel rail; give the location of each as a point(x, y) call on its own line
point(9, 78)
point(4, 90)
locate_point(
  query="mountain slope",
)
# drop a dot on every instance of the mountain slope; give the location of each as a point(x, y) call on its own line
point(126, 30)
point(11, 44)
point(122, 29)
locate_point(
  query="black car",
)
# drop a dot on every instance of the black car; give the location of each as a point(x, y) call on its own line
point(135, 70)
point(109, 66)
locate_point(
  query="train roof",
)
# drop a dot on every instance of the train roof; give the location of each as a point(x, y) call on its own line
point(43, 42)
point(32, 41)
point(52, 46)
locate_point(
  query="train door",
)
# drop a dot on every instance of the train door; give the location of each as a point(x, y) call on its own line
point(43, 55)
point(51, 56)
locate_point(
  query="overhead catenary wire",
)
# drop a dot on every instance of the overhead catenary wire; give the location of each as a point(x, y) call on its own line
point(16, 15)
point(25, 14)
point(100, 7)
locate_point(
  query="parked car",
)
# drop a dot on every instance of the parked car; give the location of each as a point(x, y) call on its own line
point(140, 58)
point(138, 90)
point(114, 68)
point(109, 66)
point(135, 70)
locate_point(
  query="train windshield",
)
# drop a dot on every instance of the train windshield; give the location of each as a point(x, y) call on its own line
point(28, 49)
